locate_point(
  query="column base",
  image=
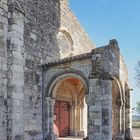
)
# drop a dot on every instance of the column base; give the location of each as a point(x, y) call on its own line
point(128, 134)
point(81, 134)
point(73, 133)
point(118, 137)
point(86, 138)
point(77, 133)
point(51, 137)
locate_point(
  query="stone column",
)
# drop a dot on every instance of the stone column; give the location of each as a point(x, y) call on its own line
point(123, 119)
point(51, 119)
point(51, 135)
point(87, 102)
point(71, 120)
point(73, 131)
point(81, 132)
point(120, 119)
point(85, 116)
point(46, 117)
point(128, 115)
point(75, 120)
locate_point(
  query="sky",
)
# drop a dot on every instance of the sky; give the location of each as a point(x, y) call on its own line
point(108, 19)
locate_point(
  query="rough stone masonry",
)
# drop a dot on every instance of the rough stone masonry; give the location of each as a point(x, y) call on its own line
point(32, 34)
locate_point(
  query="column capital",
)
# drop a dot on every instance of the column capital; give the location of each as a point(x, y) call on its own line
point(47, 98)
point(87, 99)
point(52, 102)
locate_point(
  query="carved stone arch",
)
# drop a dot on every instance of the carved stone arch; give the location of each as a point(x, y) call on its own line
point(117, 107)
point(58, 91)
point(118, 82)
point(62, 75)
point(68, 35)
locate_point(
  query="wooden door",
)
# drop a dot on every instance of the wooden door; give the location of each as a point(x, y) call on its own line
point(62, 118)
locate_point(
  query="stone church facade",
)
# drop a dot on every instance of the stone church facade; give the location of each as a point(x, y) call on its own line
point(54, 81)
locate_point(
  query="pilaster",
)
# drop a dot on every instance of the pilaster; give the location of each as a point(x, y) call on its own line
point(3, 67)
point(15, 127)
point(105, 64)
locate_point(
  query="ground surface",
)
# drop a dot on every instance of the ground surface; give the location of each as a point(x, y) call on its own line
point(136, 136)
point(70, 138)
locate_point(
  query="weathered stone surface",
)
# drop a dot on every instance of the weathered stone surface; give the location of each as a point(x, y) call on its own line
point(36, 32)
point(3, 68)
point(103, 95)
point(72, 32)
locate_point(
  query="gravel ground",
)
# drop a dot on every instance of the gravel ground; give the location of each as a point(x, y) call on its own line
point(136, 134)
point(70, 138)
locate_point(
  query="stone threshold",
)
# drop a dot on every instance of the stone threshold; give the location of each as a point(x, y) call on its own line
point(70, 138)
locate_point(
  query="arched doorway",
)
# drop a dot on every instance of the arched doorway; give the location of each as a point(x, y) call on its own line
point(70, 108)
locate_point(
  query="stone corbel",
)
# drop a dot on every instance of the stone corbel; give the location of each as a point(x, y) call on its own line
point(52, 102)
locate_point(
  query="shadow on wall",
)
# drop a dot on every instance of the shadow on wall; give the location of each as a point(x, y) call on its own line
point(42, 23)
point(37, 22)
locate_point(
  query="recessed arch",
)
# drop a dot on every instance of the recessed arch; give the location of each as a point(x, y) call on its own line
point(117, 104)
point(68, 35)
point(69, 88)
point(120, 88)
point(63, 75)
point(65, 43)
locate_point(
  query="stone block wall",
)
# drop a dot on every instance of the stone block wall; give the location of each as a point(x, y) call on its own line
point(28, 32)
point(28, 38)
point(3, 67)
point(41, 26)
point(69, 23)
